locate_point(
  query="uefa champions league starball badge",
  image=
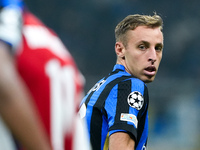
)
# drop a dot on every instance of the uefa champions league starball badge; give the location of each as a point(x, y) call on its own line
point(135, 100)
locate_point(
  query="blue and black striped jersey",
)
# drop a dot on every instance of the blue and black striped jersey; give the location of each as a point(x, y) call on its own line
point(117, 103)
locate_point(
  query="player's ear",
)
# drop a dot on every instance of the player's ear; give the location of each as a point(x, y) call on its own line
point(120, 50)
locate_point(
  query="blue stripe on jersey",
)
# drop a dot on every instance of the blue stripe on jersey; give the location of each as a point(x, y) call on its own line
point(91, 103)
point(114, 131)
point(111, 104)
point(137, 85)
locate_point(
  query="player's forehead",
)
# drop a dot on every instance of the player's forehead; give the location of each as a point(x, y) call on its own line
point(147, 34)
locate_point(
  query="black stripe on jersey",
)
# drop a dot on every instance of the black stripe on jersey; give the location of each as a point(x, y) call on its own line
point(95, 129)
point(91, 93)
point(124, 89)
point(96, 119)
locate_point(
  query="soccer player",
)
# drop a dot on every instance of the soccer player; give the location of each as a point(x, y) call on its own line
point(38, 77)
point(117, 106)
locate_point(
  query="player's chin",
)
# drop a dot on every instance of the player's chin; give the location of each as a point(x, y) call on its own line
point(148, 79)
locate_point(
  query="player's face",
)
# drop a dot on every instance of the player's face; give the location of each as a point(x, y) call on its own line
point(143, 52)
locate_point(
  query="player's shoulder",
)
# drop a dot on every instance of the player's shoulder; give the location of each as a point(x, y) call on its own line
point(121, 77)
point(134, 83)
point(134, 80)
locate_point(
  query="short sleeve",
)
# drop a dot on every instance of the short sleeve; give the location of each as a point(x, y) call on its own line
point(124, 105)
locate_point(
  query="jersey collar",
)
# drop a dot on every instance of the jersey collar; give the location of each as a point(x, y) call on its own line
point(119, 66)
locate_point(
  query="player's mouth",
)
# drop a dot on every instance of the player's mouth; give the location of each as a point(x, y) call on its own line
point(150, 71)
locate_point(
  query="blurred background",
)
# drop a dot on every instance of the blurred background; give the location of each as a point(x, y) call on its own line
point(87, 30)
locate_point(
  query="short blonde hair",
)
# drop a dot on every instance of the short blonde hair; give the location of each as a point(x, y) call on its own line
point(133, 21)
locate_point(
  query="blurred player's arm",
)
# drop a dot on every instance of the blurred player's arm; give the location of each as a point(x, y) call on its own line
point(121, 140)
point(16, 108)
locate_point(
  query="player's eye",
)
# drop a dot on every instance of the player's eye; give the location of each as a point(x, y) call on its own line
point(158, 48)
point(142, 47)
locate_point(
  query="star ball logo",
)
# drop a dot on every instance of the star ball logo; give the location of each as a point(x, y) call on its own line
point(135, 100)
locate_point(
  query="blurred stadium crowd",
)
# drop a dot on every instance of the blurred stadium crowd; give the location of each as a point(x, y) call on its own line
point(87, 29)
